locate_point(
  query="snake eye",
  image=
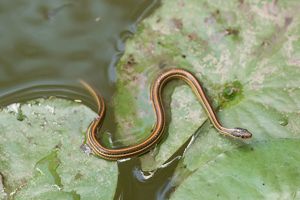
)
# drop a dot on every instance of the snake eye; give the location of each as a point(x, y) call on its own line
point(241, 133)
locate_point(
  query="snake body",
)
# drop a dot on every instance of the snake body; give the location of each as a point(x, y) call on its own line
point(158, 130)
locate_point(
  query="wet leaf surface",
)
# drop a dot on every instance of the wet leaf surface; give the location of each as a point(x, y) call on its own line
point(42, 156)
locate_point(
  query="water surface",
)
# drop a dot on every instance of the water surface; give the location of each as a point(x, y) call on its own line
point(46, 46)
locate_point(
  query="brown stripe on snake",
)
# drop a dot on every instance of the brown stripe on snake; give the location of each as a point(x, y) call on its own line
point(158, 130)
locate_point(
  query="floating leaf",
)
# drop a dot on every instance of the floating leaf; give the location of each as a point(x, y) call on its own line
point(42, 156)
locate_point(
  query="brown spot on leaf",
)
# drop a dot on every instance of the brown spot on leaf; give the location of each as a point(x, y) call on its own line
point(131, 61)
point(181, 3)
point(78, 176)
point(216, 13)
point(178, 23)
point(232, 31)
point(134, 78)
point(288, 21)
point(193, 36)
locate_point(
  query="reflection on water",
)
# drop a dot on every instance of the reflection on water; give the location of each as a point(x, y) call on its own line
point(51, 44)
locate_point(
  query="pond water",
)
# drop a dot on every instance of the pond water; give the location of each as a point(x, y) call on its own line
point(47, 46)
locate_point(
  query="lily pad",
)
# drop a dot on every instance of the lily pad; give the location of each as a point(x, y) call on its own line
point(42, 155)
point(245, 53)
point(266, 170)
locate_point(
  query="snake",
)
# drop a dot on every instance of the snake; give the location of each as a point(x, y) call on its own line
point(159, 127)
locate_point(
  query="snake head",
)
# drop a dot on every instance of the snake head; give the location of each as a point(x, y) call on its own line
point(241, 133)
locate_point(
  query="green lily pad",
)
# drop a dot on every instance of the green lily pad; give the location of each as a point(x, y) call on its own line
point(42, 155)
point(246, 54)
point(266, 170)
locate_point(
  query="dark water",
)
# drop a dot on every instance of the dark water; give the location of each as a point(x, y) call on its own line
point(135, 184)
point(46, 46)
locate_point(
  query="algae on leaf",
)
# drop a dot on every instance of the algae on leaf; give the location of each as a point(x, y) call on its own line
point(41, 155)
